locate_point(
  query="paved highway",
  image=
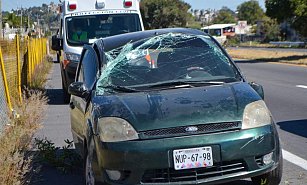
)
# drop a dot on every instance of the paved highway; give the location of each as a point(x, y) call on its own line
point(285, 93)
point(298, 50)
point(285, 88)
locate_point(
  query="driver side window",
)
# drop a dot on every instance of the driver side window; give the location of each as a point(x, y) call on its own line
point(88, 68)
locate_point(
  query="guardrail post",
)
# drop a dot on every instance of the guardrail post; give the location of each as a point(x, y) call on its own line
point(29, 62)
point(18, 69)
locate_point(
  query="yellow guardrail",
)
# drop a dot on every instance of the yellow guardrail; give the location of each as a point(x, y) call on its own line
point(19, 59)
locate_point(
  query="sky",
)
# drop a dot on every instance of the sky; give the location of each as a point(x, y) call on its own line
point(7, 5)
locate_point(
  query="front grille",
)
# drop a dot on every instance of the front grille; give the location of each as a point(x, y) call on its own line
point(171, 175)
point(259, 161)
point(201, 129)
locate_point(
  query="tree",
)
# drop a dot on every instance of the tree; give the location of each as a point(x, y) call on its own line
point(279, 9)
point(192, 23)
point(292, 11)
point(250, 11)
point(270, 29)
point(164, 13)
point(225, 16)
point(12, 19)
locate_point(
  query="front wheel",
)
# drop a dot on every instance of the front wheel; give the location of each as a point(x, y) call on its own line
point(270, 178)
point(66, 95)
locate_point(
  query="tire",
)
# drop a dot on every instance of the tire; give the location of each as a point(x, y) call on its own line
point(66, 95)
point(58, 58)
point(270, 178)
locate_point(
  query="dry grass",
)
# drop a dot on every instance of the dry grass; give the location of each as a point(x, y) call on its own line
point(16, 138)
point(269, 56)
point(41, 72)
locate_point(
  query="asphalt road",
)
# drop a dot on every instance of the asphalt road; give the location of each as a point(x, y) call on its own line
point(287, 102)
point(298, 50)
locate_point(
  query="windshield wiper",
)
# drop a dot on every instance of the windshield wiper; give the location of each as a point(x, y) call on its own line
point(121, 88)
point(184, 84)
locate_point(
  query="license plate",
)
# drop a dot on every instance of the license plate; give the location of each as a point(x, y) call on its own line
point(193, 158)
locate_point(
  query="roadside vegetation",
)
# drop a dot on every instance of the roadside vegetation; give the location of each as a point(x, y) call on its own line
point(62, 158)
point(258, 55)
point(41, 72)
point(16, 138)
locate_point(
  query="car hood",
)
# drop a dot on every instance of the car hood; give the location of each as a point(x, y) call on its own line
point(177, 107)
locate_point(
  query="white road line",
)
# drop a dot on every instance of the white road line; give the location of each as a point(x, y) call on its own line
point(294, 159)
point(302, 86)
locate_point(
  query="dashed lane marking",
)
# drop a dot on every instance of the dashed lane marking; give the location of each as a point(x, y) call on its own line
point(294, 159)
point(302, 86)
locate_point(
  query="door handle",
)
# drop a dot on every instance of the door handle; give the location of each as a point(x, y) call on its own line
point(72, 105)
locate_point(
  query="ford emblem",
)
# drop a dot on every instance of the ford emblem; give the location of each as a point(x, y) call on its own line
point(191, 129)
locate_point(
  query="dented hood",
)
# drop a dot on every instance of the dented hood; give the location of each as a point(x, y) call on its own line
point(178, 107)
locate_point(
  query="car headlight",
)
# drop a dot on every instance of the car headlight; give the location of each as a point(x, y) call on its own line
point(112, 129)
point(256, 114)
point(72, 57)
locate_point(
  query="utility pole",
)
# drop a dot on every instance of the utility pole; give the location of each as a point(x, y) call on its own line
point(20, 26)
point(38, 27)
point(28, 20)
point(2, 32)
point(21, 20)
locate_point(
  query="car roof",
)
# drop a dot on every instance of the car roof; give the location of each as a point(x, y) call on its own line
point(116, 41)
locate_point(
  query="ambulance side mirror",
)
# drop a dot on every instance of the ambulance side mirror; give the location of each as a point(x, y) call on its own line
point(56, 43)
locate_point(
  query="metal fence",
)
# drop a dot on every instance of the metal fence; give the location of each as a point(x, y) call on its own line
point(18, 60)
point(3, 102)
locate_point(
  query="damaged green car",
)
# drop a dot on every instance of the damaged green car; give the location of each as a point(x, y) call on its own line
point(169, 106)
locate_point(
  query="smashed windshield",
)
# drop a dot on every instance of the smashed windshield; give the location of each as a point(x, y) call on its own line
point(164, 59)
point(82, 29)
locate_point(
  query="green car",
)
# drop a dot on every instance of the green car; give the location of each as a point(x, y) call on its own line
point(167, 107)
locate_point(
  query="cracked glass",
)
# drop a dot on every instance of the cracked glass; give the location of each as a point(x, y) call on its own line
point(164, 60)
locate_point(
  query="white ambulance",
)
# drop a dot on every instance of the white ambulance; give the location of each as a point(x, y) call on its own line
point(84, 21)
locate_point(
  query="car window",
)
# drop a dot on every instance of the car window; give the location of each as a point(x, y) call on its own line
point(88, 69)
point(165, 58)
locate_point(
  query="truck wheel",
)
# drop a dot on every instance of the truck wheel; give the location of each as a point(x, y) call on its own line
point(58, 58)
point(270, 178)
point(66, 96)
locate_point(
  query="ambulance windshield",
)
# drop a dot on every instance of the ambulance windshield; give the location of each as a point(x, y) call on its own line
point(82, 29)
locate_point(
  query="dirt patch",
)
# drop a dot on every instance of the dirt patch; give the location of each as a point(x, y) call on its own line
point(269, 56)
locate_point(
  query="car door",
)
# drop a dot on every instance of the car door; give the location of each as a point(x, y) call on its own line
point(87, 74)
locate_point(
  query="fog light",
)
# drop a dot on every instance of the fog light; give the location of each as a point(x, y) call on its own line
point(114, 175)
point(267, 159)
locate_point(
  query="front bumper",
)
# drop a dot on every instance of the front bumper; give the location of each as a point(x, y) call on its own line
point(236, 155)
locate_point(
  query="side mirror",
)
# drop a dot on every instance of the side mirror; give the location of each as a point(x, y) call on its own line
point(258, 88)
point(78, 89)
point(56, 43)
